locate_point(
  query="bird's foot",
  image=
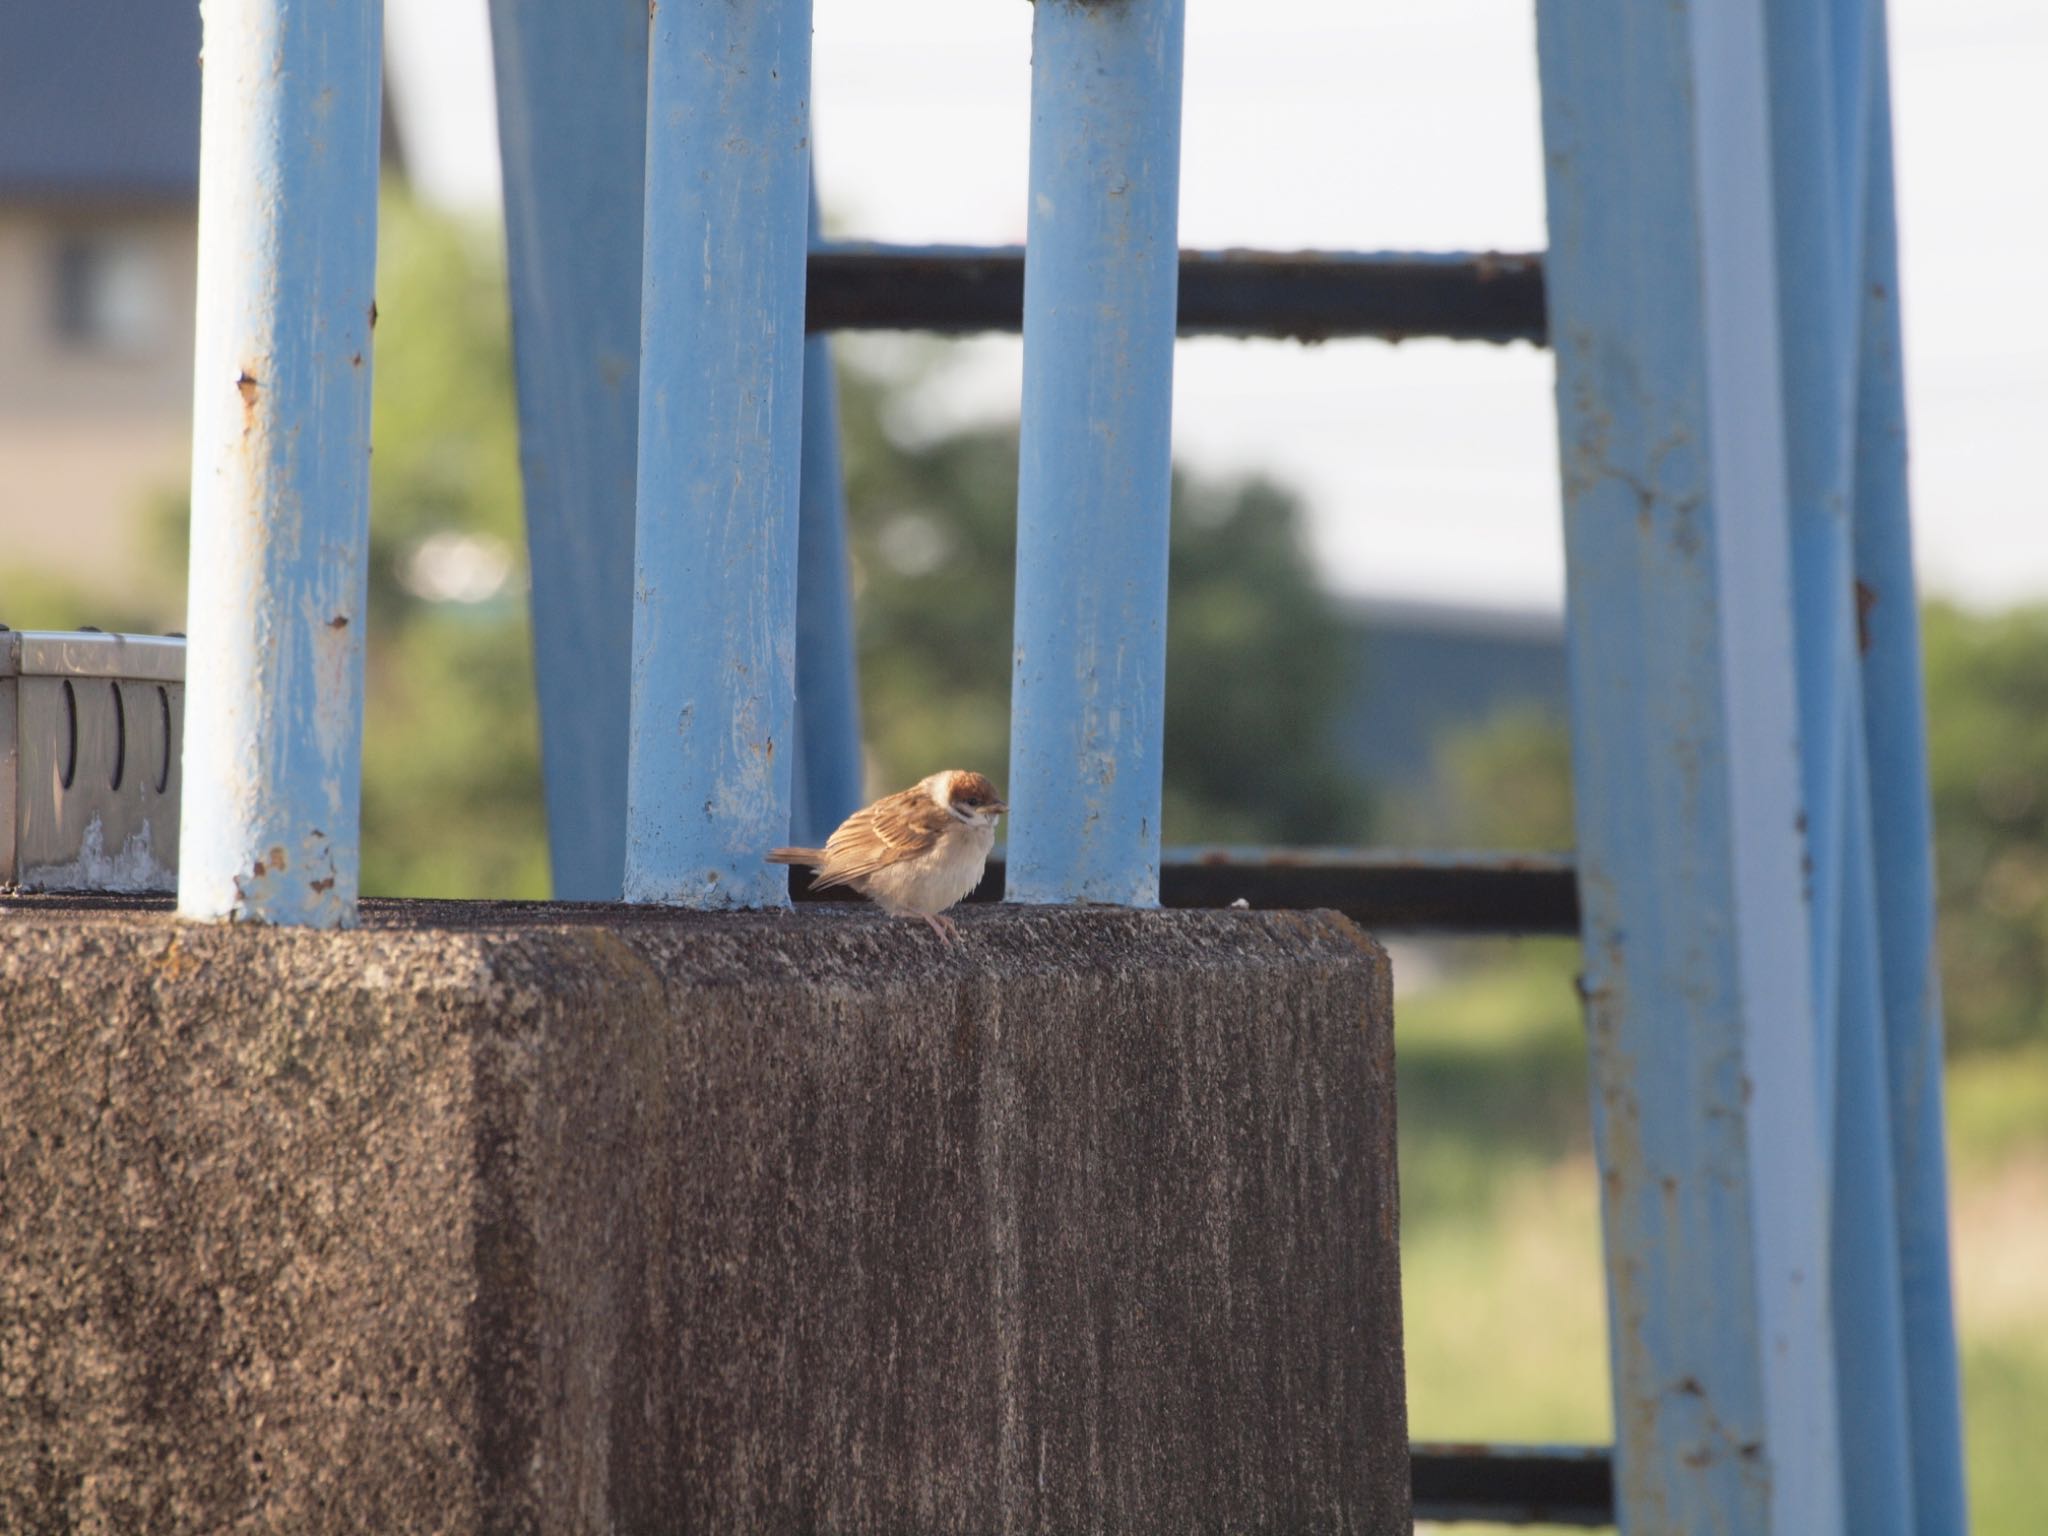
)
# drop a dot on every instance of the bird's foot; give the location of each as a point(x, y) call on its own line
point(942, 925)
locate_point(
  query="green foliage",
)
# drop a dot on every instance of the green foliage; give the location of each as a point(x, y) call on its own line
point(1987, 690)
point(1500, 1241)
point(1504, 782)
point(451, 740)
point(1255, 665)
point(451, 760)
point(40, 599)
point(1492, 1074)
point(451, 770)
point(1507, 783)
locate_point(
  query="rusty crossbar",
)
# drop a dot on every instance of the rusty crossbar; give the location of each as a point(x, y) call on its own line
point(1303, 295)
point(1384, 890)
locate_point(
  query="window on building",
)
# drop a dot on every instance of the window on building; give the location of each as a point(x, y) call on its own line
point(109, 292)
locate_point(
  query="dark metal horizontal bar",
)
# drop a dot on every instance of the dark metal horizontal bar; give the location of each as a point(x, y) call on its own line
point(1513, 1484)
point(1456, 893)
point(1306, 295)
point(1384, 891)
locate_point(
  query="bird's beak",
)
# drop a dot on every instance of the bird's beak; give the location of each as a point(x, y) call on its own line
point(997, 809)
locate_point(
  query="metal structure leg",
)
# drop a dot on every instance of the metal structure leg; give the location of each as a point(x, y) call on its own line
point(1094, 480)
point(1699, 980)
point(272, 798)
point(1894, 739)
point(572, 130)
point(721, 419)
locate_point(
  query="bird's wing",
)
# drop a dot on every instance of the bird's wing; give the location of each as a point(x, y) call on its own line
point(900, 826)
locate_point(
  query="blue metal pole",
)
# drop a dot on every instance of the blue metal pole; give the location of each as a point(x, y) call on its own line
point(827, 664)
point(1094, 480)
point(280, 461)
point(721, 423)
point(1895, 741)
point(1699, 981)
point(572, 131)
point(1817, 279)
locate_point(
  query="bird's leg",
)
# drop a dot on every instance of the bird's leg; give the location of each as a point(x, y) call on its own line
point(942, 926)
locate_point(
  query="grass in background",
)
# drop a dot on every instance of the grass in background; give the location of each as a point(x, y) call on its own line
point(1501, 1265)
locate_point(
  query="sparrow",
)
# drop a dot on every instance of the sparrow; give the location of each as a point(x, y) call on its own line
point(913, 853)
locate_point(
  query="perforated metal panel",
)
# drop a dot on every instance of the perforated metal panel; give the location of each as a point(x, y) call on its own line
point(91, 731)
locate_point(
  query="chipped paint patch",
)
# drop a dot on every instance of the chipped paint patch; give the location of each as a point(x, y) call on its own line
point(132, 868)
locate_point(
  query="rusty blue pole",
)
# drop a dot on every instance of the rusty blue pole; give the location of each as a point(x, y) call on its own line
point(721, 423)
point(280, 461)
point(1895, 741)
point(827, 665)
point(1100, 293)
point(1819, 62)
point(572, 130)
point(1699, 965)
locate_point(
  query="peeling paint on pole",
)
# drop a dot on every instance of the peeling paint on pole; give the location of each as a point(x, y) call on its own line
point(280, 461)
point(1818, 70)
point(1686, 753)
point(1101, 291)
point(721, 420)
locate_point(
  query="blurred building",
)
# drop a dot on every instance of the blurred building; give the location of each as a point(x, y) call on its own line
point(99, 220)
point(99, 177)
point(1427, 670)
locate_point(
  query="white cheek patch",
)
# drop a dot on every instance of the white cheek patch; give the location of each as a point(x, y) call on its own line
point(942, 789)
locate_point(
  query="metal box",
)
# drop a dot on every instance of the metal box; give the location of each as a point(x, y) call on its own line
point(91, 731)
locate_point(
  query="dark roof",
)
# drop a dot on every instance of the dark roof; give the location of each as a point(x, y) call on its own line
point(99, 98)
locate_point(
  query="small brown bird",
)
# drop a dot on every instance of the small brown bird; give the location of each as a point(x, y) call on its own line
point(913, 853)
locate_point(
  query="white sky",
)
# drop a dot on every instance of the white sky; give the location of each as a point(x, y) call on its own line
point(1429, 468)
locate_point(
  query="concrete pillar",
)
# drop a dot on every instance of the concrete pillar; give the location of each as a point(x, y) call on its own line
point(566, 1219)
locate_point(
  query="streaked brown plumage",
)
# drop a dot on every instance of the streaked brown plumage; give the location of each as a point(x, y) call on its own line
point(913, 853)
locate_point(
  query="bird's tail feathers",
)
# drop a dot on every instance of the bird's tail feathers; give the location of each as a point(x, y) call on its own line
point(811, 856)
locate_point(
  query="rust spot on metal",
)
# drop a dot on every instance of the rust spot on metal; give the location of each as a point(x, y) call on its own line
point(245, 382)
point(339, 621)
point(322, 886)
point(259, 871)
point(278, 861)
point(356, 361)
point(373, 314)
point(1866, 599)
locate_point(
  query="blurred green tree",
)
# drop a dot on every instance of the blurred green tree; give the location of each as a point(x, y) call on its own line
point(1256, 665)
point(1256, 661)
point(1507, 783)
point(1987, 693)
point(1501, 782)
point(451, 739)
point(451, 773)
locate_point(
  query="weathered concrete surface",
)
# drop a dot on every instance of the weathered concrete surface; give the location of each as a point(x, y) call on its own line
point(548, 1220)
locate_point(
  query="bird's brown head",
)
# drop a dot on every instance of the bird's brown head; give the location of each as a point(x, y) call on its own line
point(971, 797)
